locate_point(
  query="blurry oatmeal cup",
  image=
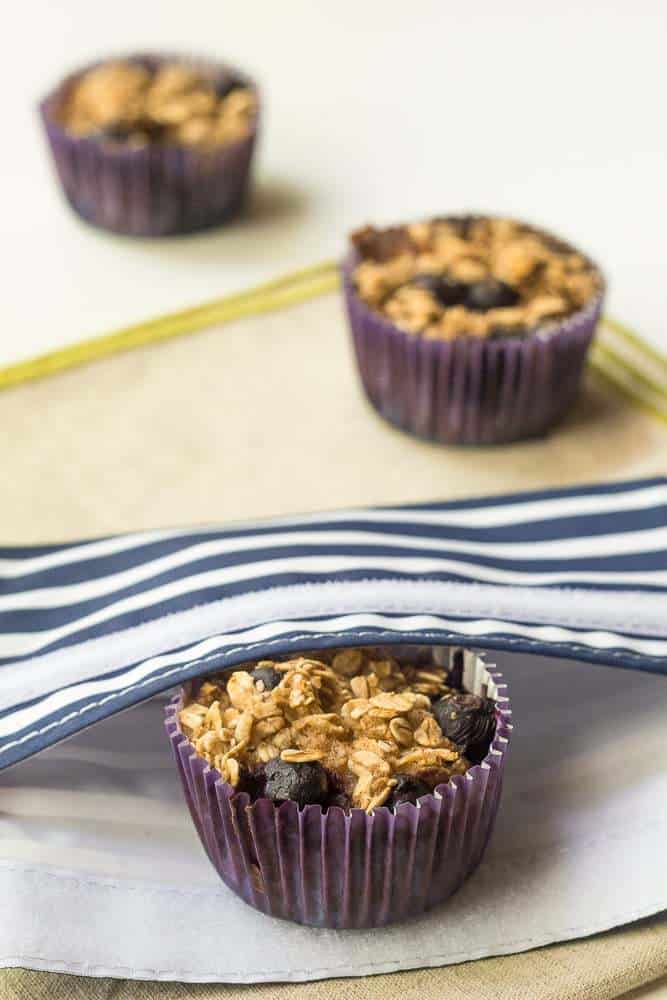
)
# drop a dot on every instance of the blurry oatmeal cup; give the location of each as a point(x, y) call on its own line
point(470, 329)
point(344, 788)
point(153, 145)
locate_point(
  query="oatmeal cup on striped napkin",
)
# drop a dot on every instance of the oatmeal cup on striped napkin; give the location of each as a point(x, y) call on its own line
point(344, 788)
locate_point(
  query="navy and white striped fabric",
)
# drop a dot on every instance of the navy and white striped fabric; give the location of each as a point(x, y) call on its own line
point(88, 629)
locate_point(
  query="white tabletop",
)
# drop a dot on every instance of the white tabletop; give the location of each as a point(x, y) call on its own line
point(374, 111)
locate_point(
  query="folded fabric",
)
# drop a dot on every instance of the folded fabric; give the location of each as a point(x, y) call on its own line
point(91, 628)
point(598, 968)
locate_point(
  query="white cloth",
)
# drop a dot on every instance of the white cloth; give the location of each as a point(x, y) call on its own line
point(101, 872)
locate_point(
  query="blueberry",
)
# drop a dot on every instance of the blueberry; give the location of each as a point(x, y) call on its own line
point(407, 789)
point(269, 676)
point(467, 720)
point(490, 294)
point(251, 781)
point(447, 291)
point(301, 783)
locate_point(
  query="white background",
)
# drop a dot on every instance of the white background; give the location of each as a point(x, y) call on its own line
point(373, 111)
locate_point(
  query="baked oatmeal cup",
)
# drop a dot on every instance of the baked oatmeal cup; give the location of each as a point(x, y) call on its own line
point(470, 329)
point(344, 788)
point(151, 145)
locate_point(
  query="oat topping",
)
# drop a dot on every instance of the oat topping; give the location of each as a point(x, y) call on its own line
point(125, 101)
point(356, 719)
point(472, 277)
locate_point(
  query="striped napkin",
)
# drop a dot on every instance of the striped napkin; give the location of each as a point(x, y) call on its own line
point(91, 628)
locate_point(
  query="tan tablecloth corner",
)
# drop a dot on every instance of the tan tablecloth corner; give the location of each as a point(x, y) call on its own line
point(599, 968)
point(263, 416)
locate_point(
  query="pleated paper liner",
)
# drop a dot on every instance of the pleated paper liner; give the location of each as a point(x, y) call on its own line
point(468, 391)
point(345, 870)
point(152, 190)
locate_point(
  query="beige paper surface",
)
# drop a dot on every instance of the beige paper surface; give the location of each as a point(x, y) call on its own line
point(263, 416)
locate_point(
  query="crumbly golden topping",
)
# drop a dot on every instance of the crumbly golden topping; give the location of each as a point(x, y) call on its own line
point(473, 277)
point(124, 101)
point(361, 714)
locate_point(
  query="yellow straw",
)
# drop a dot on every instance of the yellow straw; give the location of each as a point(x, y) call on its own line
point(612, 370)
point(276, 294)
point(633, 338)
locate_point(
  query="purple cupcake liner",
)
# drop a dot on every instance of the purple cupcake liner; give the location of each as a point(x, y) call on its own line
point(468, 391)
point(348, 870)
point(151, 190)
